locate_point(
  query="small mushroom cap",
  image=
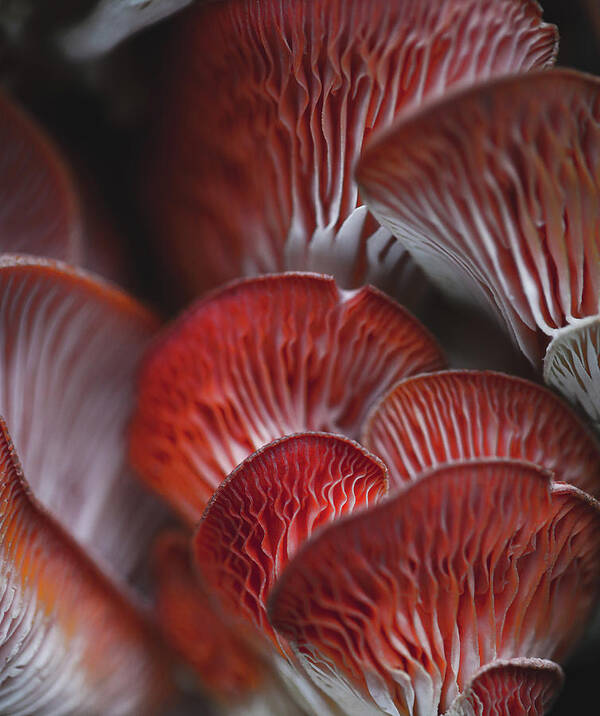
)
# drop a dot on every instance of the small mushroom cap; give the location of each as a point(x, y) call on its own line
point(495, 191)
point(518, 687)
point(397, 607)
point(69, 348)
point(260, 359)
point(450, 416)
point(269, 506)
point(69, 641)
point(572, 365)
point(271, 102)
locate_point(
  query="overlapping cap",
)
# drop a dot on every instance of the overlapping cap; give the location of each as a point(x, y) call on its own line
point(260, 359)
point(270, 505)
point(495, 192)
point(251, 170)
point(69, 641)
point(262, 514)
point(396, 609)
point(69, 348)
point(451, 416)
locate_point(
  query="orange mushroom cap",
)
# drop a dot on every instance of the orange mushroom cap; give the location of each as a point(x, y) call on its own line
point(69, 641)
point(260, 359)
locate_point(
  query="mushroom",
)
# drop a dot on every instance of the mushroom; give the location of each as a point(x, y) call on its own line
point(264, 512)
point(69, 346)
point(517, 687)
point(395, 609)
point(269, 105)
point(69, 640)
point(450, 416)
point(39, 212)
point(495, 191)
point(47, 208)
point(259, 359)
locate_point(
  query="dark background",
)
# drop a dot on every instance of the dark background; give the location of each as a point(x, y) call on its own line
point(99, 112)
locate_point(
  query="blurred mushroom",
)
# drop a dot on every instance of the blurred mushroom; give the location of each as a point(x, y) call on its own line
point(269, 103)
point(69, 640)
point(69, 347)
point(46, 208)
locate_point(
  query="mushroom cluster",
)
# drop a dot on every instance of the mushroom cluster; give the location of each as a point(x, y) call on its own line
point(346, 526)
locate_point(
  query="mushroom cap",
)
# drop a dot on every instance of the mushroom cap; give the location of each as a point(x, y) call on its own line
point(269, 506)
point(259, 359)
point(495, 191)
point(397, 607)
point(517, 687)
point(450, 416)
point(572, 365)
point(271, 101)
point(69, 348)
point(69, 641)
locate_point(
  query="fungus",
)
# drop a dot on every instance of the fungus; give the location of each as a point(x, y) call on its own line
point(47, 209)
point(450, 416)
point(495, 191)
point(269, 506)
point(264, 511)
point(69, 641)
point(69, 346)
point(270, 103)
point(519, 687)
point(39, 212)
point(260, 359)
point(396, 608)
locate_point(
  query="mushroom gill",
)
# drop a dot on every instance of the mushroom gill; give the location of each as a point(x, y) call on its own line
point(270, 103)
point(396, 608)
point(69, 348)
point(495, 191)
point(450, 416)
point(69, 640)
point(259, 359)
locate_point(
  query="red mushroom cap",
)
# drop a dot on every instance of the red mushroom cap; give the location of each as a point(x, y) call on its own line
point(462, 415)
point(270, 505)
point(518, 687)
point(400, 605)
point(260, 359)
